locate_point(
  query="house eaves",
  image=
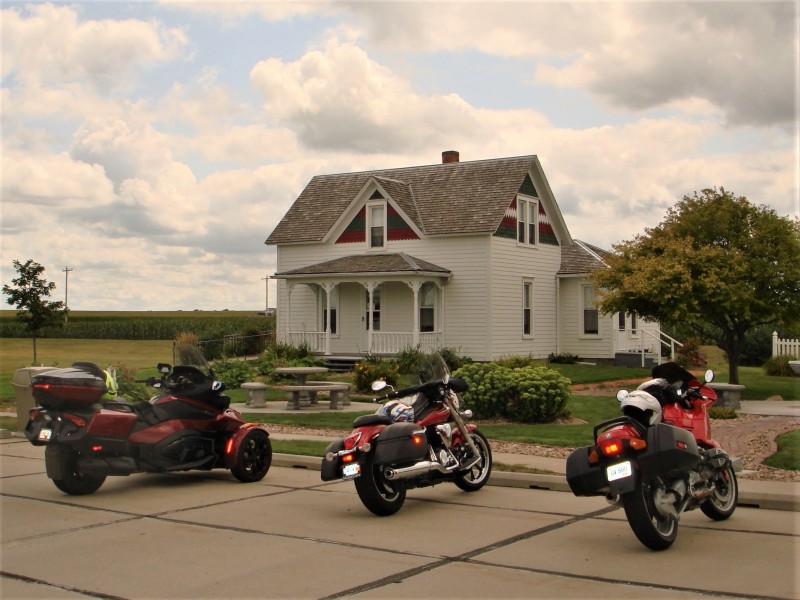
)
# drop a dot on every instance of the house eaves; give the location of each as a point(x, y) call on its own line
point(369, 264)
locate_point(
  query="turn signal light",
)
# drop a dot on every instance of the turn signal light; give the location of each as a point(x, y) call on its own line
point(347, 458)
point(229, 446)
point(417, 439)
point(593, 457)
point(638, 444)
point(97, 448)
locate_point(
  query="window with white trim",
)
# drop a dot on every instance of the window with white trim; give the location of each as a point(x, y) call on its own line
point(527, 221)
point(427, 304)
point(590, 322)
point(377, 225)
point(527, 308)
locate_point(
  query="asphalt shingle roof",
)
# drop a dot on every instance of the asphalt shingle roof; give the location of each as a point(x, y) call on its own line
point(461, 197)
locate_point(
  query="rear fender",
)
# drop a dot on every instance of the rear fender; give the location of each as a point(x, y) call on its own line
point(329, 470)
point(55, 456)
point(234, 442)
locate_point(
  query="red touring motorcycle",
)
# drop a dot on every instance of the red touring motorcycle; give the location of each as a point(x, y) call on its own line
point(187, 426)
point(417, 443)
point(659, 459)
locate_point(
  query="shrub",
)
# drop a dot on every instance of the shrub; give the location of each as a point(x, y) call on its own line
point(234, 372)
point(127, 387)
point(722, 412)
point(409, 360)
point(515, 361)
point(529, 394)
point(689, 355)
point(564, 358)
point(373, 368)
point(453, 359)
point(778, 366)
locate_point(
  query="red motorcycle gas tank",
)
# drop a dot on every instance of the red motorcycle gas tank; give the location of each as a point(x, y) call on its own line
point(111, 423)
point(435, 417)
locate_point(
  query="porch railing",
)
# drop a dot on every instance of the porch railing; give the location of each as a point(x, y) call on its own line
point(664, 340)
point(383, 342)
point(314, 340)
point(784, 347)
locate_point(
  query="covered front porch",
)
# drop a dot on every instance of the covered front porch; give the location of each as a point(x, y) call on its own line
point(377, 304)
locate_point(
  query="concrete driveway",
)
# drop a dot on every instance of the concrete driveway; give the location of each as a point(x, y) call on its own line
point(204, 535)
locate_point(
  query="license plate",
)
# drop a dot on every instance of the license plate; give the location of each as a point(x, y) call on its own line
point(351, 471)
point(45, 434)
point(619, 471)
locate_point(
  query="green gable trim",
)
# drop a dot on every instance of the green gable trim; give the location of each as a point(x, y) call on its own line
point(528, 188)
point(376, 195)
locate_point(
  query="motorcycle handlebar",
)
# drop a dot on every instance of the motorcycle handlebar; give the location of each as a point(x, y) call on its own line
point(401, 393)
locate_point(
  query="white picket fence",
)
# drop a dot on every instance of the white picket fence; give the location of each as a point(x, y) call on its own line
point(784, 347)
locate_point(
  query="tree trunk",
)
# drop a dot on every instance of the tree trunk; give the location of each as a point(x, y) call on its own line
point(34, 351)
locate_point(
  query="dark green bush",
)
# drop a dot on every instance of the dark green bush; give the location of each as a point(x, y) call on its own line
point(564, 358)
point(127, 387)
point(778, 366)
point(515, 361)
point(453, 359)
point(234, 372)
point(409, 360)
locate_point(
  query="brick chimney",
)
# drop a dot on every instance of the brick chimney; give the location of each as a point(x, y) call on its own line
point(449, 156)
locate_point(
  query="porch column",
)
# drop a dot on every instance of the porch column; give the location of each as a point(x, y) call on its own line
point(289, 288)
point(328, 287)
point(415, 286)
point(370, 287)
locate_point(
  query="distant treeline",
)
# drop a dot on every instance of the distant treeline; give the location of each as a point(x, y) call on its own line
point(207, 325)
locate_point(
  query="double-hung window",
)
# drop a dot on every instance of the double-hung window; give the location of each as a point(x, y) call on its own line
point(527, 308)
point(377, 225)
point(427, 302)
point(527, 220)
point(589, 316)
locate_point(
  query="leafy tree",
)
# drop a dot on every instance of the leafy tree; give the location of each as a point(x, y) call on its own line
point(29, 292)
point(717, 263)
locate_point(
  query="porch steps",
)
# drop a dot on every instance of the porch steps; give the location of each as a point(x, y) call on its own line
point(342, 364)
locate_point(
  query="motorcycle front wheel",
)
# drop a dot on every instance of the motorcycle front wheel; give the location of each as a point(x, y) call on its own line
point(477, 475)
point(72, 481)
point(722, 503)
point(254, 458)
point(653, 529)
point(378, 494)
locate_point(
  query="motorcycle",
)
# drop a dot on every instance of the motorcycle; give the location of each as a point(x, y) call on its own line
point(188, 425)
point(659, 459)
point(420, 441)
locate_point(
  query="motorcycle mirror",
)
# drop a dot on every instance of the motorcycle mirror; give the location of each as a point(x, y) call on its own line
point(709, 376)
point(378, 385)
point(164, 368)
point(622, 394)
point(446, 378)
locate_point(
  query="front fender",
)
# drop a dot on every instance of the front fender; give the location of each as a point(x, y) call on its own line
point(235, 442)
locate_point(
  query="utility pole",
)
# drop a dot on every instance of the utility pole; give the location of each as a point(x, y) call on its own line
point(266, 293)
point(66, 291)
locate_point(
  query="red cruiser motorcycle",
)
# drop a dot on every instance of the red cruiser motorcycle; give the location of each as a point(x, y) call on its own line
point(417, 443)
point(658, 459)
point(187, 426)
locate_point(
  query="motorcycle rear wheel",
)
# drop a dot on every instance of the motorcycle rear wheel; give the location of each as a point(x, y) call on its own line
point(477, 476)
point(254, 457)
point(721, 505)
point(654, 530)
point(381, 496)
point(65, 461)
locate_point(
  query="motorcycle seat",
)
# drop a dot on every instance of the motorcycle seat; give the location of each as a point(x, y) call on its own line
point(365, 420)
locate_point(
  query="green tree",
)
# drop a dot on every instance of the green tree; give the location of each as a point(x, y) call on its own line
point(29, 293)
point(717, 263)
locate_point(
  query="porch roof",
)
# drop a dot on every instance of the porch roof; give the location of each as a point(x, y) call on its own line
point(396, 263)
point(580, 257)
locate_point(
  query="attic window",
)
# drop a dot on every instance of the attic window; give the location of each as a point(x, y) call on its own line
point(377, 226)
point(527, 221)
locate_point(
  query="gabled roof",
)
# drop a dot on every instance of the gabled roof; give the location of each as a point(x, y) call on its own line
point(449, 198)
point(580, 257)
point(368, 264)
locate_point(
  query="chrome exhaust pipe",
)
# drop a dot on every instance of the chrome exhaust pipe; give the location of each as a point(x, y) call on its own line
point(612, 499)
point(421, 467)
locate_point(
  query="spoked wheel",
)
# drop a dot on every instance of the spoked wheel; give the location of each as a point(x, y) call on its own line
point(64, 462)
point(378, 494)
point(655, 530)
point(722, 503)
point(477, 475)
point(254, 458)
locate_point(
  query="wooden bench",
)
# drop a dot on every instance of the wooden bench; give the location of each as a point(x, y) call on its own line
point(299, 396)
point(256, 394)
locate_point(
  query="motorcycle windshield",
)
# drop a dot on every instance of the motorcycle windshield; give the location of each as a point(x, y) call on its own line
point(432, 367)
point(190, 355)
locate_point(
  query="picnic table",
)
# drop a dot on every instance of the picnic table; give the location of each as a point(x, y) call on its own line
point(302, 394)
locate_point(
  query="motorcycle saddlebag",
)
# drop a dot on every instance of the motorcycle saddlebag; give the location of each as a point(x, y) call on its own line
point(585, 479)
point(71, 386)
point(400, 443)
point(668, 449)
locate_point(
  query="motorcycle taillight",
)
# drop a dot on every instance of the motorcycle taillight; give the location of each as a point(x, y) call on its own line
point(75, 419)
point(611, 447)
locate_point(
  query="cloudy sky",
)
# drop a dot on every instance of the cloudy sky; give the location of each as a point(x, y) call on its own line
point(153, 146)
